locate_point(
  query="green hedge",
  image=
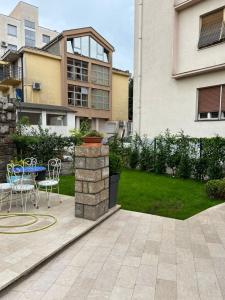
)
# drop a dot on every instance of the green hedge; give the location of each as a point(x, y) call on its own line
point(42, 144)
point(185, 157)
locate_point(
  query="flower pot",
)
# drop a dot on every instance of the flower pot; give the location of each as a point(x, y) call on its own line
point(113, 189)
point(92, 140)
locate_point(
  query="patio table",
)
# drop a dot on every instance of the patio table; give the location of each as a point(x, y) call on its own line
point(39, 170)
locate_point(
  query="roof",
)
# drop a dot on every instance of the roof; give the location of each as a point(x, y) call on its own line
point(11, 56)
point(81, 30)
point(122, 72)
point(27, 105)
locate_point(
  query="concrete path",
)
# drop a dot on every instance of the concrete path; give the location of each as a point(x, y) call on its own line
point(137, 256)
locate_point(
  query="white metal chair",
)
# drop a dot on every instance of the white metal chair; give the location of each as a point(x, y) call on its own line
point(52, 181)
point(6, 191)
point(21, 186)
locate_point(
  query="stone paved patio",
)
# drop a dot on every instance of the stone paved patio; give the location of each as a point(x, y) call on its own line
point(20, 253)
point(137, 256)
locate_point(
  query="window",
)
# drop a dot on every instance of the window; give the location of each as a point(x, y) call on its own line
point(87, 46)
point(45, 38)
point(56, 120)
point(77, 70)
point(34, 118)
point(12, 47)
point(29, 24)
point(100, 99)
point(97, 51)
point(77, 96)
point(29, 38)
point(212, 29)
point(12, 30)
point(211, 103)
point(79, 45)
point(100, 75)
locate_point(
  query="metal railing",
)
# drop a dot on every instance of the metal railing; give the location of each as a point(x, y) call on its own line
point(10, 72)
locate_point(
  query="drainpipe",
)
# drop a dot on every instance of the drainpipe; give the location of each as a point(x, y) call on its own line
point(22, 74)
point(139, 62)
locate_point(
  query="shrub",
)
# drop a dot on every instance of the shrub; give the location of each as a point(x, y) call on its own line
point(115, 163)
point(93, 133)
point(134, 159)
point(160, 155)
point(216, 188)
point(146, 159)
point(42, 144)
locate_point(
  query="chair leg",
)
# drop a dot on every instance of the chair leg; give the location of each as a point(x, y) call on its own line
point(37, 198)
point(10, 202)
point(60, 199)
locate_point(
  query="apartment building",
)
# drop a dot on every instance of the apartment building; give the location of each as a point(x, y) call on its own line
point(179, 63)
point(60, 87)
point(21, 28)
point(86, 77)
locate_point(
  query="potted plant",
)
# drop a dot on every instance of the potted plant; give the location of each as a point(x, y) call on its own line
point(115, 165)
point(93, 137)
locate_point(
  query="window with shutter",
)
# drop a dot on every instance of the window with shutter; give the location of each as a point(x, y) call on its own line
point(212, 29)
point(209, 102)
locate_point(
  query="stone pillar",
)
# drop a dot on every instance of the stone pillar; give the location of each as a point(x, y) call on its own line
point(7, 127)
point(92, 181)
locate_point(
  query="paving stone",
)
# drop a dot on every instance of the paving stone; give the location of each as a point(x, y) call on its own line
point(165, 289)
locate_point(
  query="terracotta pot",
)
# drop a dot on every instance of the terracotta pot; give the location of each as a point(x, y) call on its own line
point(92, 139)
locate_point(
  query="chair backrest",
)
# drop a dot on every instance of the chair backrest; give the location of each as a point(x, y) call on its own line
point(9, 175)
point(30, 162)
point(54, 168)
point(16, 173)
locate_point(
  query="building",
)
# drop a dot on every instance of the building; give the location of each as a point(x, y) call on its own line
point(59, 89)
point(87, 79)
point(21, 28)
point(179, 63)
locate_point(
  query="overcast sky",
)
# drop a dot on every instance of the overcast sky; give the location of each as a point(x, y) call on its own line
point(111, 18)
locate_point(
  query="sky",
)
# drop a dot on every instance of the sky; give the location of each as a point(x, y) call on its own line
point(113, 19)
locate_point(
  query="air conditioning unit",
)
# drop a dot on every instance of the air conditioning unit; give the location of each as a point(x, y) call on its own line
point(36, 86)
point(4, 44)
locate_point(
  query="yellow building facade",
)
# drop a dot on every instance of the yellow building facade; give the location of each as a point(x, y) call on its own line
point(120, 90)
point(43, 68)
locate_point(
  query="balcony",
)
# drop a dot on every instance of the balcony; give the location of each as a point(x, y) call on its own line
point(10, 75)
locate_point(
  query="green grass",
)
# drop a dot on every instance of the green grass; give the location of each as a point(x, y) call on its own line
point(156, 194)
point(67, 185)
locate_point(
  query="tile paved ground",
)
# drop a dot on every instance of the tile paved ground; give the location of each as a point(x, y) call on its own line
point(137, 256)
point(19, 253)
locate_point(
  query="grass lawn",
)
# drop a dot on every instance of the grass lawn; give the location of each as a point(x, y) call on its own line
point(156, 194)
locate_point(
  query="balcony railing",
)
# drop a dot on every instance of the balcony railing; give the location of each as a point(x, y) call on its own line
point(10, 75)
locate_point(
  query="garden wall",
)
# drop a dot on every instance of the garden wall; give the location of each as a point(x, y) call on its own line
point(7, 126)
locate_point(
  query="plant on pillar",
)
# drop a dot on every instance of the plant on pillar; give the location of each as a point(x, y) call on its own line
point(93, 136)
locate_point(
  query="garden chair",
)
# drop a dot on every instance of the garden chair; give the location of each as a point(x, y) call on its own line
point(21, 185)
point(6, 191)
point(52, 181)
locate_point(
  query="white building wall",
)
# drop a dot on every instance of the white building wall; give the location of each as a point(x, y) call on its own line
point(60, 130)
point(23, 11)
point(189, 24)
point(161, 102)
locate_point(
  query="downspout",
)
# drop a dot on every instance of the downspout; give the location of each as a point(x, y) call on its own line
point(139, 58)
point(22, 73)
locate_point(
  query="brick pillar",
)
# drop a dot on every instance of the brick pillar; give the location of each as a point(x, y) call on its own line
point(92, 181)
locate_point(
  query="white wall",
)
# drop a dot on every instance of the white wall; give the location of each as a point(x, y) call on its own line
point(189, 56)
point(60, 130)
point(161, 102)
point(19, 14)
